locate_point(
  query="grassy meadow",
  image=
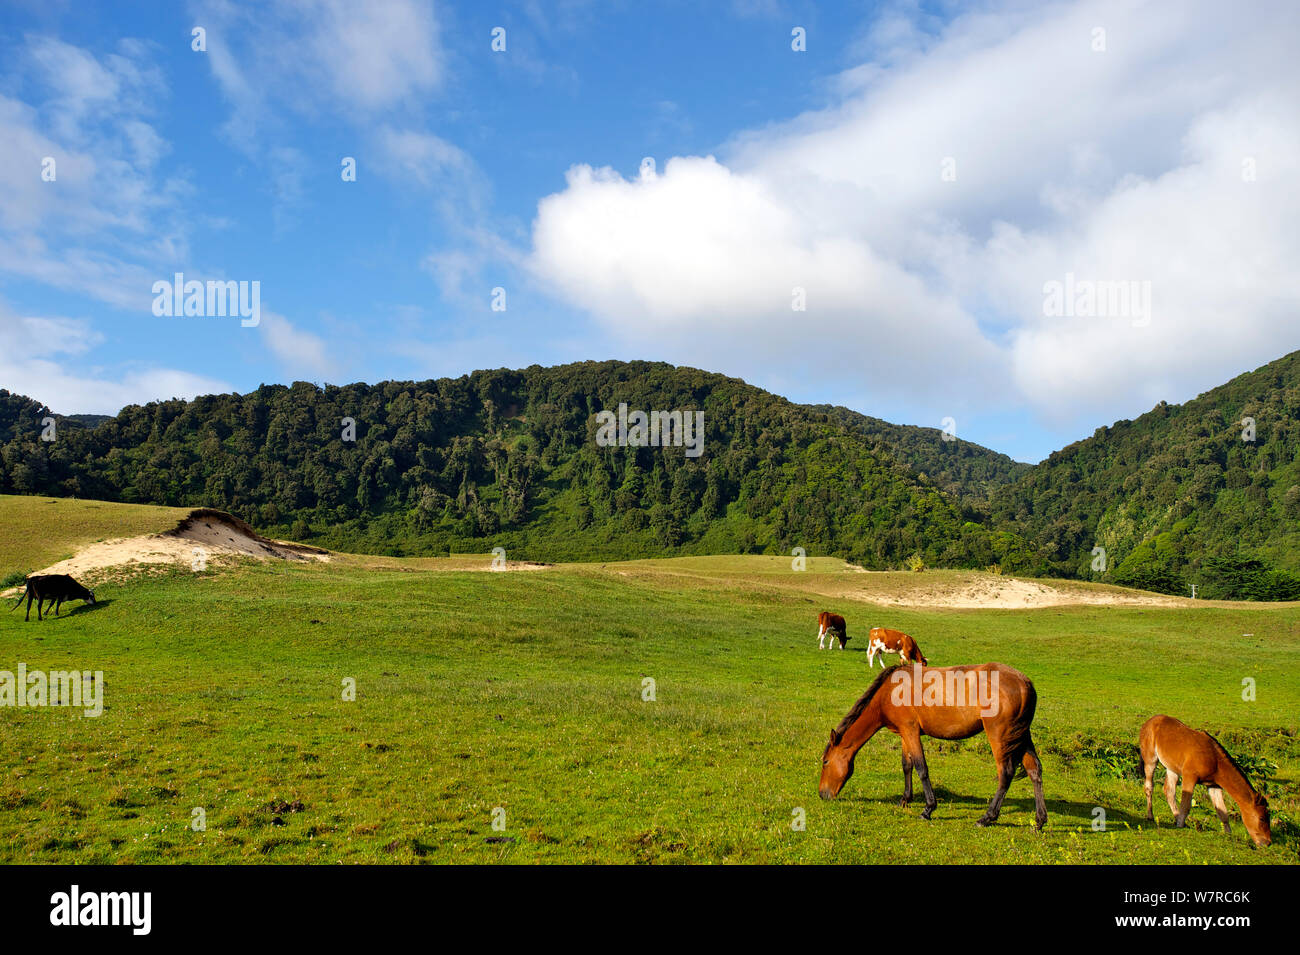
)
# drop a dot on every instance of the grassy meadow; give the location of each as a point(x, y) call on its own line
point(522, 691)
point(38, 531)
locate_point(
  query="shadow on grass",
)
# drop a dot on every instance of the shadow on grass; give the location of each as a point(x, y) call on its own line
point(1080, 811)
point(77, 611)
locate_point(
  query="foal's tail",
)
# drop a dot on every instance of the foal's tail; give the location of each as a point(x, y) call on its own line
point(21, 597)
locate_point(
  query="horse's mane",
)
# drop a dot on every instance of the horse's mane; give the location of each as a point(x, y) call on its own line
point(861, 705)
point(1235, 765)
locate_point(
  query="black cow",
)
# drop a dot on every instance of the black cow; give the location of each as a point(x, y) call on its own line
point(55, 588)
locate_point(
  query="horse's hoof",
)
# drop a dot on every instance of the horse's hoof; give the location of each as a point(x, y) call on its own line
point(925, 814)
point(904, 803)
point(983, 822)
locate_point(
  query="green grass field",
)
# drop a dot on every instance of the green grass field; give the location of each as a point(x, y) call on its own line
point(523, 691)
point(38, 531)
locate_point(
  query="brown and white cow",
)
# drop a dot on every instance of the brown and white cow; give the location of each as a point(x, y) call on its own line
point(828, 622)
point(882, 640)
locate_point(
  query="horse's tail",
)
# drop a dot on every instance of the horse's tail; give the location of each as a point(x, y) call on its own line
point(21, 597)
point(1016, 738)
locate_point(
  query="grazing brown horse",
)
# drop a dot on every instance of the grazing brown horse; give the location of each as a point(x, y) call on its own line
point(944, 703)
point(882, 640)
point(1199, 758)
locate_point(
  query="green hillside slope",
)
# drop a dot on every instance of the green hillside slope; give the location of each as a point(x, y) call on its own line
point(1180, 496)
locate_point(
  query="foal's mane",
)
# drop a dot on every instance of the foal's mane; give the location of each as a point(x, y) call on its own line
point(1235, 765)
point(861, 705)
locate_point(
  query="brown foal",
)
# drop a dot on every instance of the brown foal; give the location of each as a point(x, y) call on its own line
point(1199, 758)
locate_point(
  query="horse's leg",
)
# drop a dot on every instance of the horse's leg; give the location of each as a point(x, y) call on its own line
point(1216, 798)
point(1189, 783)
point(1148, 784)
point(918, 757)
point(914, 756)
point(1034, 767)
point(29, 604)
point(1171, 785)
point(1006, 771)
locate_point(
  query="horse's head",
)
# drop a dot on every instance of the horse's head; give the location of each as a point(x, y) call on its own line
point(1260, 830)
point(837, 767)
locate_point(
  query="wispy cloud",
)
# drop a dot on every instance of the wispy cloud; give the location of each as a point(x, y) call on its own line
point(298, 351)
point(83, 206)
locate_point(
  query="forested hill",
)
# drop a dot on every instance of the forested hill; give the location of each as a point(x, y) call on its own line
point(1186, 494)
point(21, 416)
point(966, 471)
point(510, 459)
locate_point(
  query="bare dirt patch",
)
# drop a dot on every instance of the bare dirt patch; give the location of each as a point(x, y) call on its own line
point(834, 580)
point(994, 592)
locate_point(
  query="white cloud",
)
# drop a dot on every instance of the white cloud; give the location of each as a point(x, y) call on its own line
point(1122, 164)
point(704, 257)
point(25, 368)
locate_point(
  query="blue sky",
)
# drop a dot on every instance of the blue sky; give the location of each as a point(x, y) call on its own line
point(919, 171)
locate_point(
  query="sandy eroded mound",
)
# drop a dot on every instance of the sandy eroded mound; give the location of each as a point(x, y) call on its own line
point(206, 533)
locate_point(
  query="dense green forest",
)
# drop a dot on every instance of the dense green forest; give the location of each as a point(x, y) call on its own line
point(962, 469)
point(509, 458)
